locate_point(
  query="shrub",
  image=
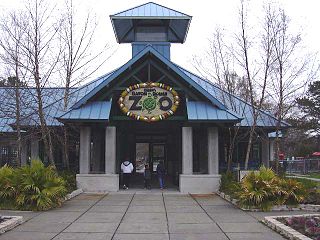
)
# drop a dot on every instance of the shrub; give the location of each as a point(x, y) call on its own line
point(228, 184)
point(70, 180)
point(7, 190)
point(264, 189)
point(313, 197)
point(259, 189)
point(39, 187)
point(292, 192)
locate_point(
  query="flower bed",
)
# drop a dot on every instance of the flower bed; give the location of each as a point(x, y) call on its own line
point(307, 225)
point(9, 222)
point(297, 226)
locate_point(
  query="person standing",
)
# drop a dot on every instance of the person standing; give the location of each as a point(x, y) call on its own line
point(160, 174)
point(127, 169)
point(147, 177)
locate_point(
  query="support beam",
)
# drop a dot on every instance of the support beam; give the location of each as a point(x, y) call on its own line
point(265, 157)
point(213, 150)
point(96, 158)
point(187, 151)
point(24, 153)
point(85, 140)
point(271, 149)
point(34, 148)
point(110, 150)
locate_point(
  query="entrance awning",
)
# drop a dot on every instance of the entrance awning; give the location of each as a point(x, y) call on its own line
point(90, 111)
point(202, 111)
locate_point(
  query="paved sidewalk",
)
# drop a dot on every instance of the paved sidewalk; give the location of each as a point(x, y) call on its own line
point(142, 215)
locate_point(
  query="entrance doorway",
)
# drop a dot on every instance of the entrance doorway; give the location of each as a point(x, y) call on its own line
point(151, 154)
point(149, 144)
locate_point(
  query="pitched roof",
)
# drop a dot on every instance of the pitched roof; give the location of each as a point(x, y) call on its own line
point(202, 111)
point(236, 104)
point(99, 110)
point(171, 65)
point(124, 23)
point(150, 9)
point(53, 98)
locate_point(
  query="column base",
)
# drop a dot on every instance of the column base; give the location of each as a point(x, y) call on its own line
point(200, 184)
point(98, 182)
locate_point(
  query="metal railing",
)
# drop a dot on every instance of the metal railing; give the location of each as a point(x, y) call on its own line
point(301, 166)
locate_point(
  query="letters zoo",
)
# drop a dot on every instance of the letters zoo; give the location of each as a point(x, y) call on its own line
point(149, 102)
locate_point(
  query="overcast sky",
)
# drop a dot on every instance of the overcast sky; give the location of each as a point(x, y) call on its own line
point(206, 15)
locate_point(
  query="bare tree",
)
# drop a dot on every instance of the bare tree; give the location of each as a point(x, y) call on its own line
point(292, 69)
point(80, 57)
point(10, 41)
point(41, 55)
point(250, 56)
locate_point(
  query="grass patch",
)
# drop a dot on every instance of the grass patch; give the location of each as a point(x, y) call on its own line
point(307, 183)
point(314, 175)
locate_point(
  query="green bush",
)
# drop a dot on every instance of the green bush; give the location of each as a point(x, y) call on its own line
point(7, 190)
point(263, 189)
point(313, 197)
point(258, 189)
point(32, 187)
point(70, 180)
point(228, 184)
point(292, 192)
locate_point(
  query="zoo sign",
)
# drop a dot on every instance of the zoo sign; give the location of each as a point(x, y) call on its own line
point(149, 102)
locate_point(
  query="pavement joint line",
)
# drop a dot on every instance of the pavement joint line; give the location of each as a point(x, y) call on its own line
point(209, 215)
point(123, 217)
point(165, 209)
point(68, 225)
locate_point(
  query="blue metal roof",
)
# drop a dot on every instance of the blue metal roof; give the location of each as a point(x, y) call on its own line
point(235, 104)
point(150, 10)
point(126, 22)
point(202, 111)
point(147, 50)
point(91, 111)
point(52, 100)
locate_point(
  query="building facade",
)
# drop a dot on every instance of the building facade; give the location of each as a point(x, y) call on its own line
point(148, 110)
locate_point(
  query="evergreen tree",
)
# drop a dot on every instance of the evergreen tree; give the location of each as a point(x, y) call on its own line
point(310, 105)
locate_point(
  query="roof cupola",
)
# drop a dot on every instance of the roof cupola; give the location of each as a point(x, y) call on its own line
point(151, 24)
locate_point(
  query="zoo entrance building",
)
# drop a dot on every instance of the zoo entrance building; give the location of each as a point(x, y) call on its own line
point(148, 110)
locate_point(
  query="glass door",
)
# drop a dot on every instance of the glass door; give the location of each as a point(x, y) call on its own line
point(158, 153)
point(142, 156)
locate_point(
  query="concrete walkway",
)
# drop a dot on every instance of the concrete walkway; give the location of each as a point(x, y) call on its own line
point(142, 215)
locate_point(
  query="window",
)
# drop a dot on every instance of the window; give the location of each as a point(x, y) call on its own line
point(8, 155)
point(151, 34)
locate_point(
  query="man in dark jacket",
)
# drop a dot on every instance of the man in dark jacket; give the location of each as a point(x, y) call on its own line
point(147, 177)
point(160, 173)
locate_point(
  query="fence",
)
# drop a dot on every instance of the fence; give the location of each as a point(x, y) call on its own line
point(301, 166)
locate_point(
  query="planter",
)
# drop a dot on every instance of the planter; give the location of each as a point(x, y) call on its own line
point(300, 207)
point(73, 194)
point(9, 223)
point(285, 230)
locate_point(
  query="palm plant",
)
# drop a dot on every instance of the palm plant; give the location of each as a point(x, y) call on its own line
point(7, 190)
point(39, 187)
point(259, 189)
point(293, 192)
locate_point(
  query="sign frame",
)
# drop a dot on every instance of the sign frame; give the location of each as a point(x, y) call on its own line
point(153, 118)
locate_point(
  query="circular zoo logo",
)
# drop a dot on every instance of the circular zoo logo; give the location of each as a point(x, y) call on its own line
point(149, 102)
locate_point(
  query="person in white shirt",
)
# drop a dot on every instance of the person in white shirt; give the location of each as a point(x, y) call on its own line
point(126, 169)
